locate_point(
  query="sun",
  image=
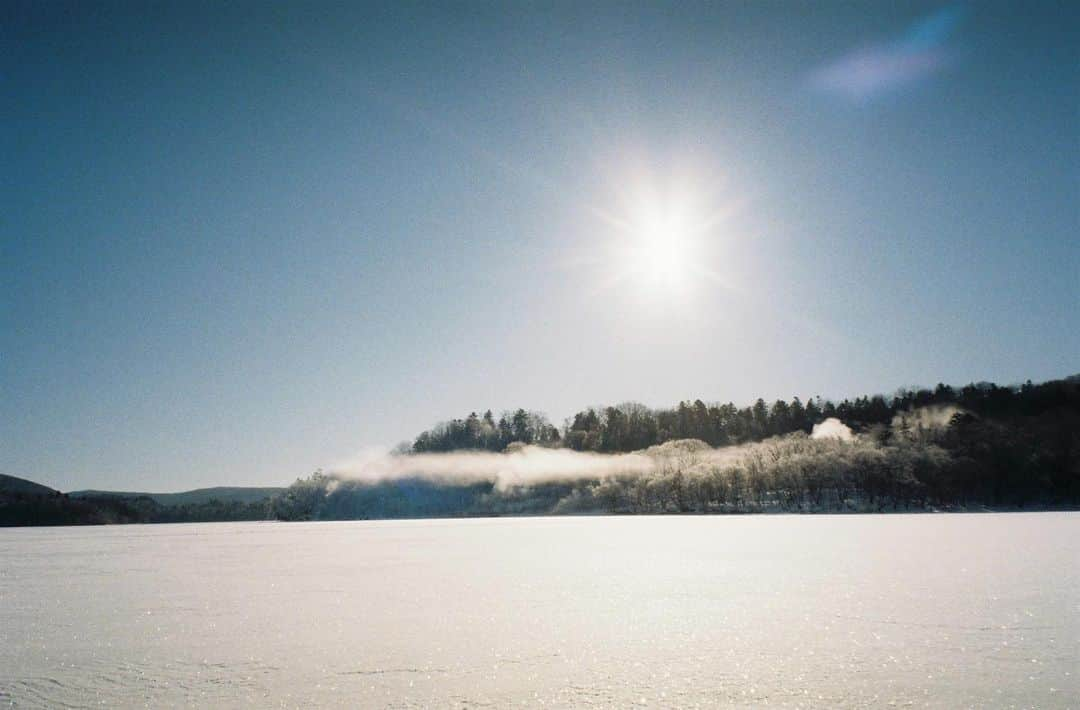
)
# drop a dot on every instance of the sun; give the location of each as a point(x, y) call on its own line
point(657, 251)
point(658, 240)
point(657, 245)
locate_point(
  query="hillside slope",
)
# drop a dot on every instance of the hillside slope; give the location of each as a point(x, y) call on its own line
point(199, 496)
point(15, 485)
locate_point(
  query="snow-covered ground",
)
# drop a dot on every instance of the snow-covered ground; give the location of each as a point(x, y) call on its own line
point(942, 610)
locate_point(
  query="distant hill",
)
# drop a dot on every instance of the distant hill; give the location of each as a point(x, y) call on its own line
point(24, 502)
point(199, 496)
point(13, 485)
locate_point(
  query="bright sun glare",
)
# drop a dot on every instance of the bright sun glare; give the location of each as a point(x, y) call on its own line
point(658, 252)
point(659, 241)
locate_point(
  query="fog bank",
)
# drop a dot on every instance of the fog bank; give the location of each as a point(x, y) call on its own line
point(519, 465)
point(523, 465)
point(832, 428)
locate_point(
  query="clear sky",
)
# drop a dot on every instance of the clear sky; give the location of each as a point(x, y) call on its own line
point(240, 242)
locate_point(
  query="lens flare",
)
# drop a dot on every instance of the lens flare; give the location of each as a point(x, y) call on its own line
point(660, 239)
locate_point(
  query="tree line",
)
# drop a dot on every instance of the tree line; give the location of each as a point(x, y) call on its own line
point(981, 445)
point(54, 508)
point(482, 432)
point(633, 427)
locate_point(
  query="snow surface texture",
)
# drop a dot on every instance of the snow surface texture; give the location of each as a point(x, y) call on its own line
point(926, 610)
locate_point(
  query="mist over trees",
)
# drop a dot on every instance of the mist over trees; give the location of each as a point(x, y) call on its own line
point(974, 447)
point(982, 445)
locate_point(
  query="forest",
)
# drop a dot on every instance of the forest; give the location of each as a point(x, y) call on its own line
point(978, 447)
point(981, 446)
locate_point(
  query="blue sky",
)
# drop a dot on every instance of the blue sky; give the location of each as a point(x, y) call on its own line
point(242, 241)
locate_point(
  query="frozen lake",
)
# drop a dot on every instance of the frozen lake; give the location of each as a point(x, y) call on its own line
point(925, 610)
